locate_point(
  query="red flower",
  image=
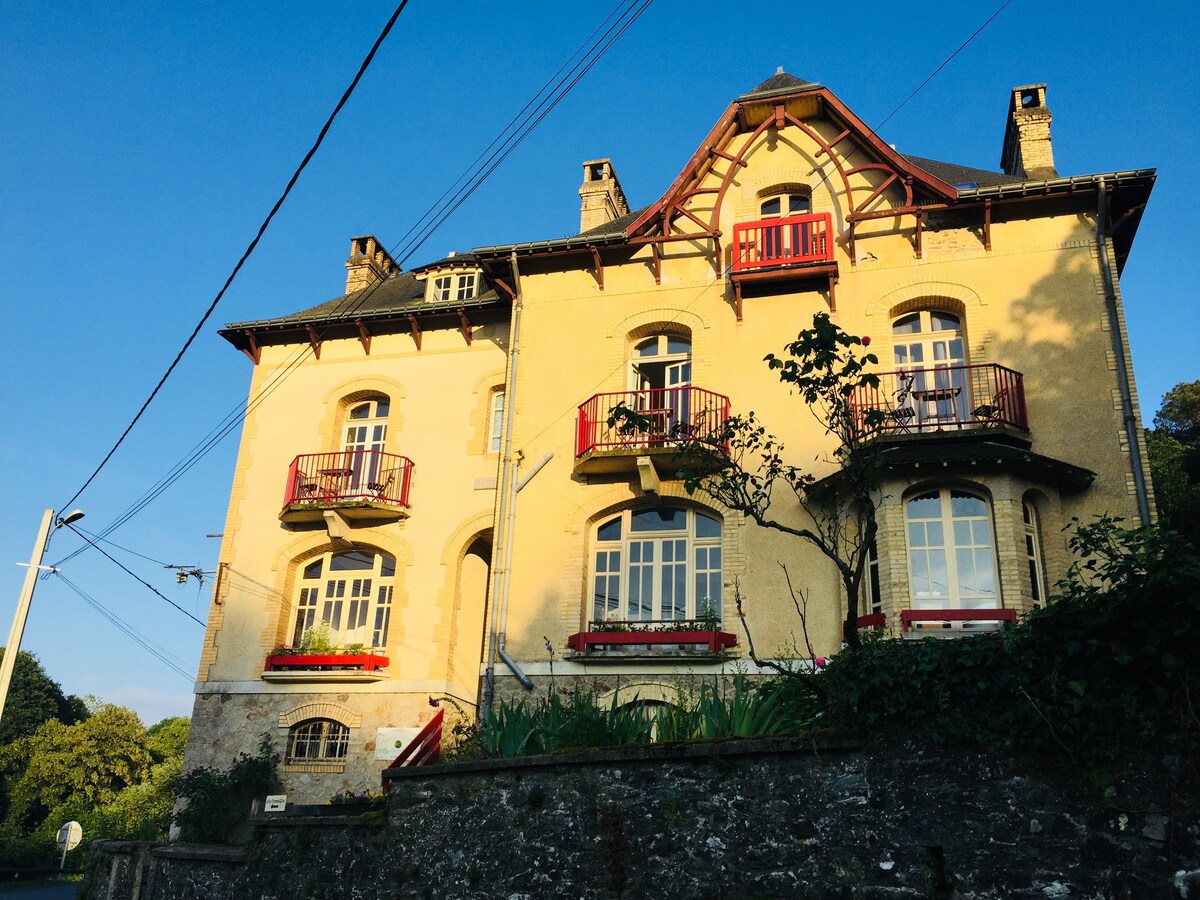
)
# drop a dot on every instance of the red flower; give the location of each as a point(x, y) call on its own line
point(866, 342)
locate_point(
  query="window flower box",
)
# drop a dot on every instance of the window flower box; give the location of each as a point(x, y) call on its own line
point(699, 637)
point(366, 662)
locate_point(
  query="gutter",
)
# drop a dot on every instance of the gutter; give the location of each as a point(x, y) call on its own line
point(505, 516)
point(1124, 378)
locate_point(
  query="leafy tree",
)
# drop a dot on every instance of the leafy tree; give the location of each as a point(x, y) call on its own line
point(33, 698)
point(90, 762)
point(168, 738)
point(1173, 450)
point(741, 464)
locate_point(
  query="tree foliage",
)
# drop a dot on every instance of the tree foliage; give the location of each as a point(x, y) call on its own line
point(33, 698)
point(742, 465)
point(1173, 450)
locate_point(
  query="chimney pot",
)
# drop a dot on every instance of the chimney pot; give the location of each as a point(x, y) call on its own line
point(369, 263)
point(1027, 152)
point(601, 195)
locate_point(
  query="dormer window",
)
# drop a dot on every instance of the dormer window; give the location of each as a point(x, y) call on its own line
point(796, 204)
point(455, 286)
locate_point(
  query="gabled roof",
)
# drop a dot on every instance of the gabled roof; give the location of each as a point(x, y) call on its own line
point(780, 82)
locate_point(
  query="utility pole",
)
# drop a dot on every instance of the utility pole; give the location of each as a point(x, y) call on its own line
point(48, 527)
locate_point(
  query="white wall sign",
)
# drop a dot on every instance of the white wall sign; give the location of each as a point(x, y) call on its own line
point(275, 803)
point(390, 741)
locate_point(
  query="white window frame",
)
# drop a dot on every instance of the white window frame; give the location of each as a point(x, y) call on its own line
point(329, 739)
point(355, 602)
point(649, 557)
point(457, 286)
point(495, 421)
point(1033, 553)
point(959, 548)
point(365, 442)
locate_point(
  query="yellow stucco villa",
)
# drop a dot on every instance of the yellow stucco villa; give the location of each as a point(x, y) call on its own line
point(430, 500)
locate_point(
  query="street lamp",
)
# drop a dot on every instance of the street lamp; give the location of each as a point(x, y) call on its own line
point(49, 526)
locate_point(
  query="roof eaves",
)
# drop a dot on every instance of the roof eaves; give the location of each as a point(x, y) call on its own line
point(1071, 182)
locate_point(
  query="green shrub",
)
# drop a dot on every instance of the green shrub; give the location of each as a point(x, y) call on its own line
point(217, 801)
point(1109, 665)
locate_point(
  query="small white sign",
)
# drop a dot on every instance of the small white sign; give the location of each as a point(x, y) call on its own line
point(390, 741)
point(69, 836)
point(275, 803)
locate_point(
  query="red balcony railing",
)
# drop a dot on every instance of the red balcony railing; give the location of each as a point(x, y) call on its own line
point(943, 398)
point(672, 413)
point(782, 242)
point(349, 476)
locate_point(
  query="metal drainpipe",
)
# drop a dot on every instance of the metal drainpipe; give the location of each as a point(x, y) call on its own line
point(504, 510)
point(1118, 343)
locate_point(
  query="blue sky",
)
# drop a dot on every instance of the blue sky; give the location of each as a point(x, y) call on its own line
point(142, 145)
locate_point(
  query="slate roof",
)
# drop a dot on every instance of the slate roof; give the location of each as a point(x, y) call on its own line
point(778, 83)
point(954, 174)
point(398, 295)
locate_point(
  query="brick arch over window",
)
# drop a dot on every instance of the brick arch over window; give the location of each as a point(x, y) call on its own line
point(923, 294)
point(321, 709)
point(354, 390)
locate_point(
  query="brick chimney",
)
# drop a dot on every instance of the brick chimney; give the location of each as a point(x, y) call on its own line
point(1027, 152)
point(368, 263)
point(603, 199)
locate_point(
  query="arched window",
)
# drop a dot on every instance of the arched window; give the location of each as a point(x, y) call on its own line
point(1033, 553)
point(951, 551)
point(351, 593)
point(366, 435)
point(660, 372)
point(317, 740)
point(929, 353)
point(657, 564)
point(786, 240)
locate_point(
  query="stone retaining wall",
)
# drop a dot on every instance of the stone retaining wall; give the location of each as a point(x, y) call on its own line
point(770, 818)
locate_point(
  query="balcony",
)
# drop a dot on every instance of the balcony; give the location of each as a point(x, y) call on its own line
point(326, 667)
point(946, 398)
point(672, 414)
point(651, 639)
point(359, 484)
point(775, 243)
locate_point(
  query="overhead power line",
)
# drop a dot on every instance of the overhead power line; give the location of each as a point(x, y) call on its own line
point(568, 75)
point(159, 652)
point(249, 249)
point(141, 580)
point(945, 62)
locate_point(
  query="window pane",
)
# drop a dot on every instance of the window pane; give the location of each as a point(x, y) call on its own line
point(965, 505)
point(387, 565)
point(678, 344)
point(661, 519)
point(610, 530)
point(942, 321)
point(799, 203)
point(910, 324)
point(962, 533)
point(381, 408)
point(351, 560)
point(313, 570)
point(648, 347)
point(362, 411)
point(771, 207)
point(707, 526)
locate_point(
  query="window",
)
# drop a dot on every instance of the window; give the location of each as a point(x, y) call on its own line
point(872, 599)
point(366, 433)
point(1033, 553)
point(660, 372)
point(951, 554)
point(496, 422)
point(658, 564)
point(318, 740)
point(787, 240)
point(351, 592)
point(459, 287)
point(929, 353)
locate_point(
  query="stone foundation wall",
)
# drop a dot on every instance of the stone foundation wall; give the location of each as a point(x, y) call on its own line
point(769, 818)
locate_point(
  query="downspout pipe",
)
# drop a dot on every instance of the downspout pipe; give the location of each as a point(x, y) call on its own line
point(506, 494)
point(1124, 380)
